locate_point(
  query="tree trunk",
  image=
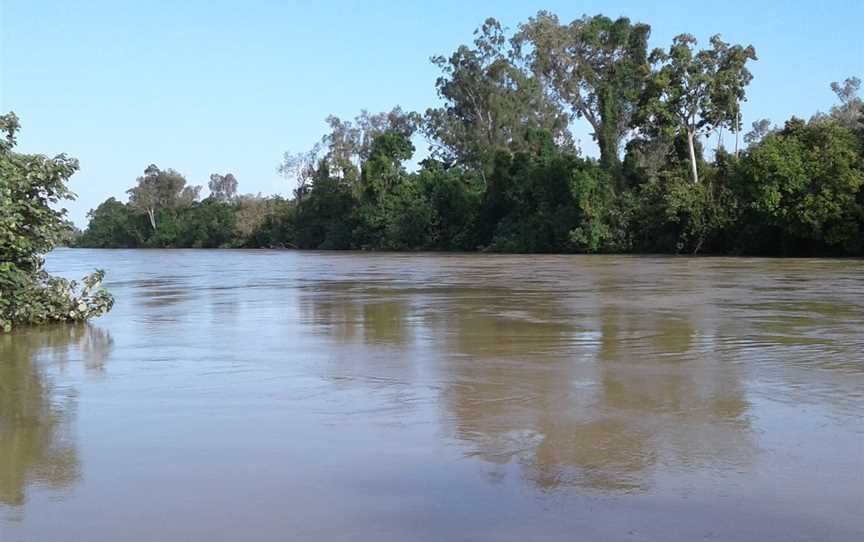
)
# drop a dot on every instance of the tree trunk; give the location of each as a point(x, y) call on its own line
point(608, 153)
point(152, 216)
point(693, 170)
point(606, 134)
point(737, 126)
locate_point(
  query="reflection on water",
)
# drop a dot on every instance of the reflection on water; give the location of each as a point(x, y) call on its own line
point(574, 400)
point(37, 447)
point(269, 395)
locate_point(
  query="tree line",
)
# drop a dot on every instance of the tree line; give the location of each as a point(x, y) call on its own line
point(504, 172)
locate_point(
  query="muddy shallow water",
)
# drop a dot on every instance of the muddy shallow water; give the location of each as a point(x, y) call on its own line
point(269, 395)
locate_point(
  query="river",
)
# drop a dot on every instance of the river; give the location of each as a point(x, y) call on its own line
point(282, 395)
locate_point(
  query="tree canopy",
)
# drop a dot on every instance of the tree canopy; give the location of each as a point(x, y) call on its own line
point(504, 172)
point(596, 66)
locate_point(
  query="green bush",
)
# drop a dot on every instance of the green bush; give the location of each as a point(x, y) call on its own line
point(30, 227)
point(802, 188)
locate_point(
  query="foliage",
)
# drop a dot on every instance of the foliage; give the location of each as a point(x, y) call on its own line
point(491, 104)
point(264, 222)
point(223, 187)
point(157, 191)
point(677, 216)
point(596, 66)
point(802, 188)
point(694, 92)
point(503, 171)
point(208, 224)
point(114, 224)
point(325, 219)
point(850, 112)
point(30, 185)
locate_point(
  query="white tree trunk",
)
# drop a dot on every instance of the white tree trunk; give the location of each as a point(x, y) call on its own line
point(152, 216)
point(690, 147)
point(737, 126)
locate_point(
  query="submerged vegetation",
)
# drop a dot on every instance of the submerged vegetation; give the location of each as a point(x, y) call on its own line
point(30, 227)
point(504, 173)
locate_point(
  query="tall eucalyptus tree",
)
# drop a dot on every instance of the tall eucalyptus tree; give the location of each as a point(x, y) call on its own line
point(595, 65)
point(160, 189)
point(491, 103)
point(692, 92)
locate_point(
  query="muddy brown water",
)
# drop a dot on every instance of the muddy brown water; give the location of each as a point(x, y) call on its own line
point(274, 395)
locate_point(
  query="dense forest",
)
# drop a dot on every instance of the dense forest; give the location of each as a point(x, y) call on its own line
point(504, 173)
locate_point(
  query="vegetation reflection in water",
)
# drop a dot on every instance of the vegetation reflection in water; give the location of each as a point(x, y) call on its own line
point(510, 380)
point(37, 447)
point(555, 393)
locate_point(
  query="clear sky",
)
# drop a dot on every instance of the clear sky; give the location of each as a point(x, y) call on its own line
point(228, 86)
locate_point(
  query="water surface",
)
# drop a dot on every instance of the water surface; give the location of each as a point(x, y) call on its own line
point(269, 395)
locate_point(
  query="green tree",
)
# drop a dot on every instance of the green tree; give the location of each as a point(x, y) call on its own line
point(491, 103)
point(326, 218)
point(158, 190)
point(267, 222)
point(455, 197)
point(207, 224)
point(346, 147)
point(301, 167)
point(383, 169)
point(694, 92)
point(113, 225)
point(804, 183)
point(674, 215)
point(850, 112)
point(597, 66)
point(223, 187)
point(349, 143)
point(545, 201)
point(30, 225)
point(759, 129)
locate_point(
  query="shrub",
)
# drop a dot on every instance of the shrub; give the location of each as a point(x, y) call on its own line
point(30, 227)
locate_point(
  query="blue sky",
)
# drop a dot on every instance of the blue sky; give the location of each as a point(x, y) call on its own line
point(217, 86)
